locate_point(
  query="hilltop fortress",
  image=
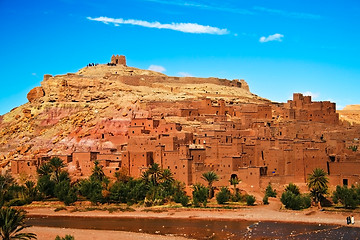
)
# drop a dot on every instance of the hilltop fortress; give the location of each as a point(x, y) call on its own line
point(128, 118)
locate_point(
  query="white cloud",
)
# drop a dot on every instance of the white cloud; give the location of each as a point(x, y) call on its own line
point(182, 27)
point(313, 95)
point(274, 37)
point(34, 74)
point(157, 68)
point(185, 74)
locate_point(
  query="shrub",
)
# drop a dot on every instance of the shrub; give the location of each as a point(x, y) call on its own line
point(236, 197)
point(181, 197)
point(266, 200)
point(67, 237)
point(347, 196)
point(295, 202)
point(46, 186)
point(270, 192)
point(184, 200)
point(250, 200)
point(223, 196)
point(200, 194)
point(292, 188)
point(92, 190)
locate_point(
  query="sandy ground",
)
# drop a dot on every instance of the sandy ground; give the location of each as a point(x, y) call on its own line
point(48, 233)
point(256, 213)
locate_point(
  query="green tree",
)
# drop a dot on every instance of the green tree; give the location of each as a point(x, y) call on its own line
point(46, 186)
point(200, 194)
point(270, 192)
point(154, 173)
point(318, 185)
point(6, 183)
point(292, 188)
point(166, 176)
point(223, 196)
point(234, 181)
point(30, 191)
point(295, 202)
point(92, 190)
point(44, 169)
point(292, 199)
point(250, 200)
point(266, 200)
point(65, 192)
point(12, 222)
point(56, 165)
point(347, 196)
point(97, 172)
point(210, 177)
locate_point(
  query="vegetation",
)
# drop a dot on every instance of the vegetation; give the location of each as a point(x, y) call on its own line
point(210, 177)
point(67, 237)
point(292, 199)
point(354, 148)
point(200, 194)
point(223, 196)
point(317, 183)
point(234, 181)
point(269, 191)
point(12, 222)
point(250, 200)
point(266, 200)
point(348, 197)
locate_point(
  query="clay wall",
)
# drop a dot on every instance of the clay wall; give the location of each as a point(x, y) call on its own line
point(28, 167)
point(118, 59)
point(84, 160)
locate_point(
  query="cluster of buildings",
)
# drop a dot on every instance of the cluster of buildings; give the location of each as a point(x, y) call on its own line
point(258, 143)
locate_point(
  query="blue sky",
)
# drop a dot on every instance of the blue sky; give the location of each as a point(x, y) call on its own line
point(278, 47)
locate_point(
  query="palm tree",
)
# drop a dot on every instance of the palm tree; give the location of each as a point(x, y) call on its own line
point(12, 221)
point(44, 169)
point(234, 181)
point(154, 173)
point(166, 176)
point(97, 171)
point(56, 165)
point(210, 177)
point(317, 183)
point(293, 188)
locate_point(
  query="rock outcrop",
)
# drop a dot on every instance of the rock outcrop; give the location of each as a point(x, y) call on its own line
point(35, 94)
point(351, 114)
point(71, 112)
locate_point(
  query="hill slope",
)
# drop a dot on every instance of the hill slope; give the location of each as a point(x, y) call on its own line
point(70, 112)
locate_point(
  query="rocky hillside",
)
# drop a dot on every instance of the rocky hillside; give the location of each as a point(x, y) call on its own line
point(70, 112)
point(350, 113)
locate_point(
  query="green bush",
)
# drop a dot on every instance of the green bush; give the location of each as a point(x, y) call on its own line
point(250, 200)
point(295, 202)
point(92, 190)
point(184, 200)
point(347, 196)
point(266, 200)
point(67, 237)
point(181, 197)
point(237, 197)
point(292, 188)
point(200, 194)
point(46, 186)
point(270, 192)
point(223, 196)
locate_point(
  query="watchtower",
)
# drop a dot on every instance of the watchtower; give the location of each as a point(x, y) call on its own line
point(118, 59)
